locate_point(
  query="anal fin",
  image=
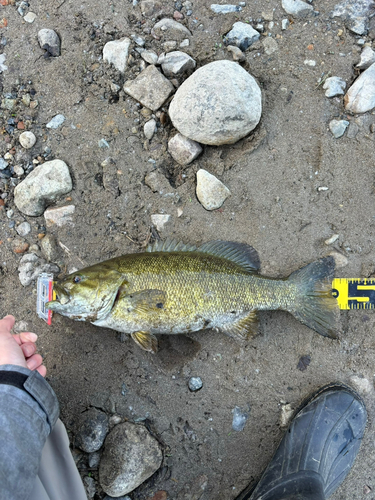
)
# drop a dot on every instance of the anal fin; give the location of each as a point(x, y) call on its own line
point(244, 328)
point(146, 341)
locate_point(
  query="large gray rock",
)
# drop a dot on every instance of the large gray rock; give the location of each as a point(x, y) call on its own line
point(42, 187)
point(116, 52)
point(150, 88)
point(93, 427)
point(218, 104)
point(360, 98)
point(242, 35)
point(297, 8)
point(131, 455)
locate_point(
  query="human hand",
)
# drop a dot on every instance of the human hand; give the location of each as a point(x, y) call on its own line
point(19, 349)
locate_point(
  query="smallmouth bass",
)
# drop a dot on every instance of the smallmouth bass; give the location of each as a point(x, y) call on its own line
point(174, 288)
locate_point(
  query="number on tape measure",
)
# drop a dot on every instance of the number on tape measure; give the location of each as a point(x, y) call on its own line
point(354, 293)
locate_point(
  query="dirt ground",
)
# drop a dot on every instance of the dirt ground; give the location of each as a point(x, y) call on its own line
point(274, 176)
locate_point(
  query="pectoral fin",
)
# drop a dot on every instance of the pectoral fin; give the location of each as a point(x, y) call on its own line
point(244, 328)
point(146, 341)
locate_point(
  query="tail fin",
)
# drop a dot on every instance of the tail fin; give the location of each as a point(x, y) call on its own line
point(315, 306)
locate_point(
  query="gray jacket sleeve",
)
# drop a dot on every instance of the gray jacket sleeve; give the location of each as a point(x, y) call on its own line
point(27, 416)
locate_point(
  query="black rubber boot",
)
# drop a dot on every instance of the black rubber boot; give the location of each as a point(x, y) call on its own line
point(317, 451)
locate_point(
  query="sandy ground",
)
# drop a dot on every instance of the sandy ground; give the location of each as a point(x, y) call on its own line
point(275, 206)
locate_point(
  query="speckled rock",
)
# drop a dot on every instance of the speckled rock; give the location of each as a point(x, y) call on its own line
point(241, 35)
point(42, 186)
point(92, 429)
point(218, 104)
point(59, 216)
point(360, 97)
point(334, 86)
point(27, 140)
point(116, 52)
point(211, 192)
point(131, 455)
point(150, 88)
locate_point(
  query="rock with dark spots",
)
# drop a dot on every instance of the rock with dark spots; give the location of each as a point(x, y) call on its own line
point(219, 103)
point(355, 13)
point(42, 187)
point(93, 426)
point(131, 455)
point(241, 35)
point(150, 88)
point(49, 40)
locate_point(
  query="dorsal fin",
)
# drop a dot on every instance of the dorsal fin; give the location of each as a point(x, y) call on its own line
point(170, 246)
point(240, 253)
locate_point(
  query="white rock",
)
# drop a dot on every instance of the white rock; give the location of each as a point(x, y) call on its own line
point(334, 86)
point(160, 221)
point(59, 216)
point(211, 192)
point(56, 121)
point(149, 128)
point(117, 53)
point(310, 62)
point(31, 266)
point(30, 17)
point(130, 456)
point(332, 239)
point(50, 41)
point(23, 229)
point(360, 98)
point(241, 35)
point(185, 43)
point(218, 104)
point(340, 259)
point(361, 384)
point(297, 8)
point(171, 28)
point(285, 24)
point(225, 9)
point(150, 88)
point(270, 45)
point(149, 56)
point(3, 67)
point(367, 58)
point(42, 186)
point(27, 140)
point(176, 63)
point(18, 170)
point(338, 127)
point(183, 150)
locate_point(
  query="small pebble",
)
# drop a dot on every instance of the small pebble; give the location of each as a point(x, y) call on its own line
point(195, 383)
point(18, 170)
point(338, 127)
point(285, 24)
point(59, 216)
point(56, 121)
point(103, 144)
point(30, 17)
point(239, 419)
point(27, 140)
point(49, 40)
point(340, 259)
point(19, 245)
point(225, 9)
point(310, 62)
point(149, 128)
point(332, 239)
point(285, 415)
point(160, 221)
point(211, 192)
point(23, 229)
point(3, 164)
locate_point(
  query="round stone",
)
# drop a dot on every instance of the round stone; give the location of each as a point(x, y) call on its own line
point(218, 104)
point(27, 140)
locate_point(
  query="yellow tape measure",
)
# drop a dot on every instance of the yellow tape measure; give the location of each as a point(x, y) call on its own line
point(354, 293)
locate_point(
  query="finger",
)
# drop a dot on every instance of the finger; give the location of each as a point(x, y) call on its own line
point(28, 349)
point(6, 324)
point(42, 370)
point(34, 361)
point(28, 337)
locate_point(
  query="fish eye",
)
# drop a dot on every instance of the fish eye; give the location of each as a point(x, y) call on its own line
point(77, 279)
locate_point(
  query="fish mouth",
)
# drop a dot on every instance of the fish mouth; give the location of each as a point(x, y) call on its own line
point(63, 297)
